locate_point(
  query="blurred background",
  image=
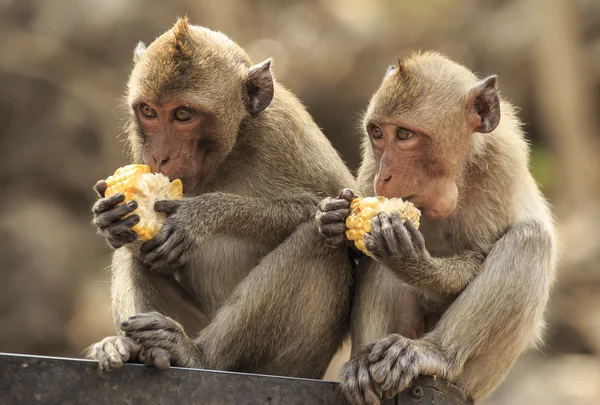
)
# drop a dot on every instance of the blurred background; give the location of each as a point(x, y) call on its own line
point(63, 67)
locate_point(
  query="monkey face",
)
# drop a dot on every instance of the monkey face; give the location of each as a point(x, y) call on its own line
point(188, 93)
point(407, 168)
point(421, 127)
point(177, 141)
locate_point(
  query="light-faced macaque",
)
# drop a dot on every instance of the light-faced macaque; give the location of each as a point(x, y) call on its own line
point(465, 295)
point(238, 277)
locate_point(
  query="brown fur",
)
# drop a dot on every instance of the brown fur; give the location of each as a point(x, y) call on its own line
point(487, 267)
point(276, 301)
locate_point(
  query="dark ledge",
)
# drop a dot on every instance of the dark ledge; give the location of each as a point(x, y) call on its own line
point(28, 380)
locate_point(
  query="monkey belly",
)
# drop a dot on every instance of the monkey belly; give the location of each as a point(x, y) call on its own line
point(220, 264)
point(384, 305)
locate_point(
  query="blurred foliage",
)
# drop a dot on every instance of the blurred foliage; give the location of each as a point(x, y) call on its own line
point(63, 66)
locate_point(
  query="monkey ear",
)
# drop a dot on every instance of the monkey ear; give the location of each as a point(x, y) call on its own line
point(259, 88)
point(483, 103)
point(138, 51)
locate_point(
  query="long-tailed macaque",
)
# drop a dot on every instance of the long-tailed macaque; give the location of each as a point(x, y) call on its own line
point(239, 264)
point(462, 298)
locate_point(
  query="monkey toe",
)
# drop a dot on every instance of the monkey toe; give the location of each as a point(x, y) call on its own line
point(155, 356)
point(150, 326)
point(380, 349)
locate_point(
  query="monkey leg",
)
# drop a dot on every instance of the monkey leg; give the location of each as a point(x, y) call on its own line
point(135, 290)
point(497, 316)
point(289, 316)
point(382, 305)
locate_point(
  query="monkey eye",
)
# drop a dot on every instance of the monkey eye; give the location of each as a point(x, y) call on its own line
point(375, 131)
point(403, 134)
point(183, 114)
point(147, 111)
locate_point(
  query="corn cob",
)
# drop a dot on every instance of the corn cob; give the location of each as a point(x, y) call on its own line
point(138, 183)
point(365, 209)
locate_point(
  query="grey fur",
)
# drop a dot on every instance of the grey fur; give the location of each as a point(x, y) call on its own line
point(469, 303)
point(254, 288)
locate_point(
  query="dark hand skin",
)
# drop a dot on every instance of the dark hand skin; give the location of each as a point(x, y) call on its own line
point(398, 245)
point(166, 251)
point(108, 217)
point(331, 218)
point(163, 341)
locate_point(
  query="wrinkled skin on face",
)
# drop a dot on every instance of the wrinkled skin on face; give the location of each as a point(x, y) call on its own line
point(421, 135)
point(185, 116)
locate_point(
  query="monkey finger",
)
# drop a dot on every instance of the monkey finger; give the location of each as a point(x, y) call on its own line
point(330, 217)
point(380, 348)
point(373, 248)
point(107, 204)
point(333, 229)
point(167, 206)
point(332, 204)
point(163, 235)
point(347, 195)
point(123, 226)
point(100, 188)
point(387, 233)
point(401, 235)
point(120, 240)
point(108, 218)
point(380, 247)
point(416, 237)
point(159, 256)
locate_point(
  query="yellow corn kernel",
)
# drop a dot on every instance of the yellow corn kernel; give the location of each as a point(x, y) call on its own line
point(138, 183)
point(363, 210)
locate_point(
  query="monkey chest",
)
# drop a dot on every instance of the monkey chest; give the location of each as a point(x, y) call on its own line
point(217, 267)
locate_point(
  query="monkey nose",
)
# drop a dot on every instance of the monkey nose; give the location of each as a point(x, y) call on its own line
point(159, 161)
point(387, 179)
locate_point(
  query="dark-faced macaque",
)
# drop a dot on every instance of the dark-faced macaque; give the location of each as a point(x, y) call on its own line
point(465, 295)
point(238, 277)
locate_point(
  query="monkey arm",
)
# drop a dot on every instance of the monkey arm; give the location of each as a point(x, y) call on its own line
point(401, 248)
point(308, 284)
point(443, 276)
point(191, 220)
point(497, 316)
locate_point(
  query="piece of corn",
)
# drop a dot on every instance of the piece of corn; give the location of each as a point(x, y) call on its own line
point(138, 183)
point(365, 209)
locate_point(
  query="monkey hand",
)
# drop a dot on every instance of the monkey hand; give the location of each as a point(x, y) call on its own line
point(331, 218)
point(356, 382)
point(167, 251)
point(108, 217)
point(162, 340)
point(112, 352)
point(398, 245)
point(394, 362)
